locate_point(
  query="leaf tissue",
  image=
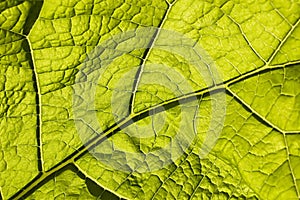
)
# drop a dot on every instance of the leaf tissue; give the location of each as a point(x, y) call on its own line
point(138, 99)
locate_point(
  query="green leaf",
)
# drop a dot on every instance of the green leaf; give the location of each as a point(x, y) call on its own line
point(137, 99)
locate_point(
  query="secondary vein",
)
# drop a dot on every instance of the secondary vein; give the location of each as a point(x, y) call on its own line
point(283, 42)
point(145, 58)
point(38, 109)
point(30, 21)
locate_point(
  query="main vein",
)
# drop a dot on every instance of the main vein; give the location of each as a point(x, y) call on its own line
point(41, 179)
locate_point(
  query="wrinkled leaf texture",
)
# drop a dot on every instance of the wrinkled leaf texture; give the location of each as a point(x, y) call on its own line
point(255, 46)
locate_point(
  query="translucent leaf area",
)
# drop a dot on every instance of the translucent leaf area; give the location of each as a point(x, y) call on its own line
point(139, 99)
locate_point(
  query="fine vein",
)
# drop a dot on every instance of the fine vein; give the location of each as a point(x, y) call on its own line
point(290, 166)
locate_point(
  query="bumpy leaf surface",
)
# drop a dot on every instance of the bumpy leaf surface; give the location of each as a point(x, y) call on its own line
point(241, 134)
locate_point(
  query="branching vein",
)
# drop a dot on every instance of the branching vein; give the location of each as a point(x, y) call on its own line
point(145, 58)
point(135, 117)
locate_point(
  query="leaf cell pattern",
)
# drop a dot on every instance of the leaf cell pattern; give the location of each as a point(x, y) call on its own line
point(255, 47)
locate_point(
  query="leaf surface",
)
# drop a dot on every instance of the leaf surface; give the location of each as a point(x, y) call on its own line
point(161, 124)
